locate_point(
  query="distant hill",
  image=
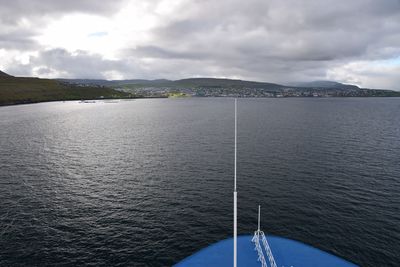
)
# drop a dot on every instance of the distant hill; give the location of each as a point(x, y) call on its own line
point(326, 84)
point(158, 82)
point(3, 74)
point(16, 90)
point(211, 82)
point(230, 87)
point(215, 82)
point(190, 82)
point(19, 90)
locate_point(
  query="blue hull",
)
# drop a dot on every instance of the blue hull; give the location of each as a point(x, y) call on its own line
point(286, 252)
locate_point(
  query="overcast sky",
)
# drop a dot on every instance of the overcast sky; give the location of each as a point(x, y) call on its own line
point(354, 41)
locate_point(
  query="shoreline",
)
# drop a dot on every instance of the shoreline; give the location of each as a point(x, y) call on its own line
point(163, 97)
point(69, 100)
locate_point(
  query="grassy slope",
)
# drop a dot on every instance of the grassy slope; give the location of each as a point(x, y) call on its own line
point(3, 74)
point(219, 82)
point(17, 90)
point(195, 83)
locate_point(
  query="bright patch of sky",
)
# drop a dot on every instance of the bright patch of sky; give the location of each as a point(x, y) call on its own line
point(391, 62)
point(97, 34)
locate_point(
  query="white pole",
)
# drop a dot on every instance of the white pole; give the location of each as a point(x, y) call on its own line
point(235, 139)
point(259, 218)
point(235, 229)
point(235, 197)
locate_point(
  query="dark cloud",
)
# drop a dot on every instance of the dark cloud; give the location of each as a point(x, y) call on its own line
point(280, 40)
point(274, 40)
point(12, 12)
point(18, 40)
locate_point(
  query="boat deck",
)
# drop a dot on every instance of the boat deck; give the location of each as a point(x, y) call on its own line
point(287, 253)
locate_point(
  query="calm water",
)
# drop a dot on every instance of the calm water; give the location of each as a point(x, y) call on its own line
point(148, 182)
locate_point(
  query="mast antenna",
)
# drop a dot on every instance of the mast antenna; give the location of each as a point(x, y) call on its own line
point(235, 197)
point(259, 207)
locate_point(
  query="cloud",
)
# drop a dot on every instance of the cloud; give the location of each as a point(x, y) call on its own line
point(276, 41)
point(17, 40)
point(12, 12)
point(61, 63)
point(280, 40)
point(23, 20)
point(375, 74)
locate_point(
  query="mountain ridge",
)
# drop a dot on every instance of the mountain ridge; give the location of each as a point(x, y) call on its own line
point(3, 74)
point(197, 82)
point(325, 84)
point(208, 82)
point(20, 90)
point(23, 90)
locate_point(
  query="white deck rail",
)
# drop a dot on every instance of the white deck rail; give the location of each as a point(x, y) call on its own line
point(256, 240)
point(267, 248)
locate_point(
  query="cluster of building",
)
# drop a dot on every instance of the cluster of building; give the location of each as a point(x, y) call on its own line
point(254, 92)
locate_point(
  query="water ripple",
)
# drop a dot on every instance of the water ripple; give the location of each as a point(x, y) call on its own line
point(148, 182)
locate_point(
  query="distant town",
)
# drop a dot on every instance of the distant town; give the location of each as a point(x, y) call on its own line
point(211, 87)
point(254, 92)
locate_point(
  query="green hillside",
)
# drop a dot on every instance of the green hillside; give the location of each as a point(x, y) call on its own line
point(218, 82)
point(2, 74)
point(18, 90)
point(195, 83)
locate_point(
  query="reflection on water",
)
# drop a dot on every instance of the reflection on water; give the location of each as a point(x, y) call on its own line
point(148, 182)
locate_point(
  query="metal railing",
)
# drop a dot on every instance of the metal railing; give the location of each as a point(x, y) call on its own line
point(268, 250)
point(256, 240)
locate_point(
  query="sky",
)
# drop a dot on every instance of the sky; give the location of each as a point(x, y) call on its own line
point(281, 41)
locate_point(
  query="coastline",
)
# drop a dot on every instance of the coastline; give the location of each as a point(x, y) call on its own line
point(17, 103)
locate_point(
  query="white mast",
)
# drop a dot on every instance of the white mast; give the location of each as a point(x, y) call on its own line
point(258, 218)
point(235, 197)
